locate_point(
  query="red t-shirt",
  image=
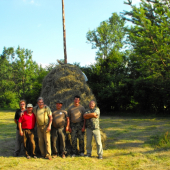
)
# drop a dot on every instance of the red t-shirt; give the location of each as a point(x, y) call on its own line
point(27, 121)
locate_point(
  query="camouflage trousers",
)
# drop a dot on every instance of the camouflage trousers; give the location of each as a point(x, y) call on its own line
point(77, 134)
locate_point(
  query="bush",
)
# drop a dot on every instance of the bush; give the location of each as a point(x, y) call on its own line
point(160, 141)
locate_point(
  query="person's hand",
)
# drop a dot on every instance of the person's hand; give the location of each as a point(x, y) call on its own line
point(22, 113)
point(48, 129)
point(83, 129)
point(67, 129)
point(96, 116)
point(21, 133)
point(70, 130)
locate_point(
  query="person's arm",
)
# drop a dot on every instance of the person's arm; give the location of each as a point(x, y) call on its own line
point(20, 129)
point(16, 117)
point(22, 112)
point(83, 129)
point(84, 123)
point(50, 122)
point(69, 117)
point(68, 125)
point(15, 121)
point(90, 115)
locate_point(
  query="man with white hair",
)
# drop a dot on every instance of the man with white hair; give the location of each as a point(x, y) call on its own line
point(92, 123)
point(44, 120)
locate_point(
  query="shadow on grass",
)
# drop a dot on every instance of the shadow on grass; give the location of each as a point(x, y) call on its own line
point(122, 133)
point(129, 133)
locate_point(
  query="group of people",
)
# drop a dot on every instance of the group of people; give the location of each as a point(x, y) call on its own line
point(52, 127)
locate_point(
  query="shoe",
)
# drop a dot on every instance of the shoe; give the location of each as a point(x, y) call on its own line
point(35, 157)
point(28, 157)
point(82, 154)
point(63, 156)
point(100, 157)
point(73, 155)
point(88, 155)
point(55, 156)
point(48, 157)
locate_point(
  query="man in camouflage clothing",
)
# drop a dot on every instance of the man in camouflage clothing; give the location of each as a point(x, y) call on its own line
point(92, 123)
point(60, 126)
point(77, 125)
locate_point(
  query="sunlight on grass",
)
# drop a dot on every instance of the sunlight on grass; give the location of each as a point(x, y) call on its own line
point(130, 145)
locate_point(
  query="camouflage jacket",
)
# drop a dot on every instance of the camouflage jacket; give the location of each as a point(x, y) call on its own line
point(93, 123)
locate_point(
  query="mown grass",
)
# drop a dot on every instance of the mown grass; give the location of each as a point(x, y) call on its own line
point(132, 143)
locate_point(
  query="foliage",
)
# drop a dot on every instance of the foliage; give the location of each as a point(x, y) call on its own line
point(21, 77)
point(160, 141)
point(107, 36)
point(138, 78)
point(149, 61)
point(134, 77)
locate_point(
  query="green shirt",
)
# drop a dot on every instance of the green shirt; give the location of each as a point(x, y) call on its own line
point(42, 115)
point(93, 123)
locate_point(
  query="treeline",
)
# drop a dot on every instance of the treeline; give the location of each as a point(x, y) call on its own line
point(132, 66)
point(21, 77)
point(132, 70)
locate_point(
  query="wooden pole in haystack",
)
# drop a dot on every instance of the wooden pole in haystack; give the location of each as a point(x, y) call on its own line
point(64, 34)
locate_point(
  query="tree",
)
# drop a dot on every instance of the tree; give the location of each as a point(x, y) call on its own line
point(149, 37)
point(23, 71)
point(7, 95)
point(21, 77)
point(107, 36)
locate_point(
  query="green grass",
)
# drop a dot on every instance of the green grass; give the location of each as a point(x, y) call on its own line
point(132, 143)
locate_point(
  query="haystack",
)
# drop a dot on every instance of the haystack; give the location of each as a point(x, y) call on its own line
point(63, 83)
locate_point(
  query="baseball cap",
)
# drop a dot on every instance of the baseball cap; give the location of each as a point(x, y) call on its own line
point(29, 105)
point(59, 101)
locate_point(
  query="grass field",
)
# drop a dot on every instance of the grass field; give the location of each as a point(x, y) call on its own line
point(132, 144)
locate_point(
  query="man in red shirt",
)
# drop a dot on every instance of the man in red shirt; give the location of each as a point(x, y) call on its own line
point(26, 124)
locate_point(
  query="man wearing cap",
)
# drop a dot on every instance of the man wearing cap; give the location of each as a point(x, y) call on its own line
point(92, 123)
point(77, 125)
point(26, 124)
point(44, 120)
point(59, 127)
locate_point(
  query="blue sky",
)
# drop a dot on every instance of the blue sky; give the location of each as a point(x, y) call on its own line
point(37, 25)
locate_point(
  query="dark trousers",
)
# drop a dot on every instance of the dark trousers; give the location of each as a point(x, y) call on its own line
point(29, 135)
point(58, 140)
point(18, 143)
point(77, 134)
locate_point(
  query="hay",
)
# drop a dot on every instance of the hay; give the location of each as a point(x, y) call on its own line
point(63, 83)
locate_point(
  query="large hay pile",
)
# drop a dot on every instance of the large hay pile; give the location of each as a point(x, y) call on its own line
point(63, 83)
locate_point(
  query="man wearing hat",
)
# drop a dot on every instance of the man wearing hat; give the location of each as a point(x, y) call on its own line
point(26, 124)
point(59, 128)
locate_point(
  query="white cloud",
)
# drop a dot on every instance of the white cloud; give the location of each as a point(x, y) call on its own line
point(88, 63)
point(43, 65)
point(32, 2)
point(136, 2)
